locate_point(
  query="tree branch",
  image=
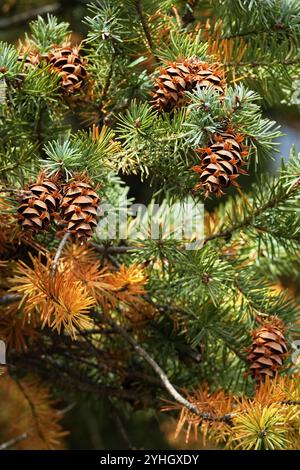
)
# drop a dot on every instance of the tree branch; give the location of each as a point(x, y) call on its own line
point(106, 84)
point(32, 407)
point(139, 9)
point(274, 29)
point(248, 221)
point(255, 64)
point(69, 378)
point(10, 298)
point(27, 15)
point(59, 252)
point(15, 440)
point(120, 426)
point(116, 250)
point(290, 402)
point(162, 375)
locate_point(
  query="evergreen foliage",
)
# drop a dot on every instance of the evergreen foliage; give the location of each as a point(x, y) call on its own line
point(88, 317)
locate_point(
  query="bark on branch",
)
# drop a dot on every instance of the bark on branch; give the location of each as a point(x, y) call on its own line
point(28, 15)
point(162, 375)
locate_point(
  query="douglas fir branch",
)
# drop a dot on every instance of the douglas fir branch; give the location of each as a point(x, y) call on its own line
point(177, 96)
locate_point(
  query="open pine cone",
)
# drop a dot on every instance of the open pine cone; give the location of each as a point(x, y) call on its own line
point(39, 204)
point(71, 68)
point(30, 58)
point(179, 77)
point(220, 163)
point(268, 349)
point(79, 208)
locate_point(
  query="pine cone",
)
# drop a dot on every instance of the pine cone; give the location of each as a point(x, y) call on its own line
point(177, 78)
point(221, 163)
point(79, 208)
point(70, 67)
point(268, 349)
point(39, 204)
point(30, 58)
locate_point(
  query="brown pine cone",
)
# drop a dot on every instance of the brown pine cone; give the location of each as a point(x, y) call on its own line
point(220, 163)
point(29, 58)
point(269, 348)
point(71, 68)
point(179, 77)
point(39, 204)
point(79, 208)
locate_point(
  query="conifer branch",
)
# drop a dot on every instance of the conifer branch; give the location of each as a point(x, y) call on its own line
point(277, 27)
point(140, 12)
point(75, 381)
point(242, 34)
point(59, 252)
point(6, 445)
point(162, 375)
point(107, 83)
point(248, 221)
point(32, 408)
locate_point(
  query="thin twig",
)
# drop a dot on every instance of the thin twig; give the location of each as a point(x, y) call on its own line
point(10, 298)
point(114, 261)
point(32, 407)
point(115, 250)
point(69, 376)
point(139, 9)
point(290, 402)
point(188, 15)
point(277, 27)
point(248, 221)
point(255, 64)
point(66, 409)
point(107, 83)
point(59, 252)
point(27, 15)
point(162, 375)
point(13, 190)
point(120, 425)
point(6, 445)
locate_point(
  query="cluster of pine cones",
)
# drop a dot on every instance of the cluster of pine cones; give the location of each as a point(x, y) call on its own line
point(73, 204)
point(65, 61)
point(222, 160)
point(177, 78)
